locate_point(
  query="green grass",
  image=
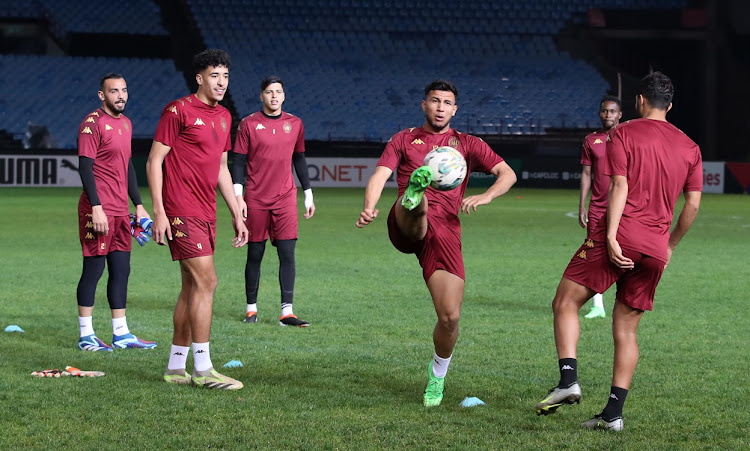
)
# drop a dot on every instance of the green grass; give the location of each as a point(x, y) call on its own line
point(355, 378)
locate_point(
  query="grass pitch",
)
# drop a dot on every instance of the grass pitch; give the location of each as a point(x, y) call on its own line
point(354, 379)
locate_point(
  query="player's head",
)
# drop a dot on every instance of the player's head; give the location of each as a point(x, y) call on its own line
point(439, 105)
point(212, 74)
point(272, 95)
point(655, 91)
point(113, 92)
point(610, 112)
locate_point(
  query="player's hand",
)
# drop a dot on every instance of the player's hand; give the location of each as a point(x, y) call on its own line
point(669, 256)
point(616, 256)
point(99, 220)
point(309, 204)
point(159, 228)
point(583, 217)
point(241, 233)
point(366, 217)
point(472, 202)
point(243, 205)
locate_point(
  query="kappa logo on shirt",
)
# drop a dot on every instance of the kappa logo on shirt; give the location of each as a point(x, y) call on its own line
point(95, 113)
point(107, 127)
point(90, 119)
point(173, 109)
point(260, 127)
point(87, 131)
point(417, 141)
point(582, 254)
point(608, 138)
point(199, 121)
point(598, 141)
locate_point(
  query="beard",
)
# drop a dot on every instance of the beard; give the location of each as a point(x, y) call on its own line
point(119, 109)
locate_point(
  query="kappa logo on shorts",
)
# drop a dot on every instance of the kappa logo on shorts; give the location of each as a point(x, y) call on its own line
point(589, 243)
point(177, 221)
point(582, 254)
point(180, 234)
point(89, 236)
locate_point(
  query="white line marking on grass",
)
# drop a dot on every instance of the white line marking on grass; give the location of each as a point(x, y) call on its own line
point(572, 214)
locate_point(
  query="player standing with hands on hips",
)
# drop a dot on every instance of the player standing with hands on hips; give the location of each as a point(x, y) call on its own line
point(105, 226)
point(650, 162)
point(424, 221)
point(191, 144)
point(268, 143)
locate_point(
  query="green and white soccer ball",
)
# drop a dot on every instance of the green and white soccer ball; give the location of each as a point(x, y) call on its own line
point(448, 168)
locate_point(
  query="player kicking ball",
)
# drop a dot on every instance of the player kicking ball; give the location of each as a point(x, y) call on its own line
point(424, 221)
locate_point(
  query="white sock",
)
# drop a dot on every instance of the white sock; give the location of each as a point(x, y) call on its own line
point(87, 325)
point(440, 365)
point(252, 308)
point(120, 326)
point(178, 357)
point(598, 301)
point(201, 357)
point(286, 310)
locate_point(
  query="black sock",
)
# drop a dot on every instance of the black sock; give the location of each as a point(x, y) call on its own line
point(255, 252)
point(613, 410)
point(568, 372)
point(287, 270)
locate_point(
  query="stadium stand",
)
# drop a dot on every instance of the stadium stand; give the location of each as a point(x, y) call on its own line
point(355, 69)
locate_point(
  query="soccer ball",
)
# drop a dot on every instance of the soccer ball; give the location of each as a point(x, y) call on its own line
point(448, 167)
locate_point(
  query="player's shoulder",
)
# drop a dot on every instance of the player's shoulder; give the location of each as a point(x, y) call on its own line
point(94, 116)
point(597, 134)
point(406, 133)
point(466, 138)
point(178, 105)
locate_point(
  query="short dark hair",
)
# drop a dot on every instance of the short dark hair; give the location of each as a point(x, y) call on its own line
point(441, 85)
point(109, 76)
point(658, 90)
point(210, 57)
point(611, 99)
point(271, 79)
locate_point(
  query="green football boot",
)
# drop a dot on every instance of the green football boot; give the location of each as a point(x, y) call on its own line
point(418, 182)
point(433, 394)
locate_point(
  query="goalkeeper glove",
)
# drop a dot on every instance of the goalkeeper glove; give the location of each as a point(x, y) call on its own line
point(141, 230)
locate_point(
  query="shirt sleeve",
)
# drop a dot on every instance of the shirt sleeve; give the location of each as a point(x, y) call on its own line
point(617, 159)
point(170, 124)
point(482, 157)
point(299, 146)
point(586, 153)
point(695, 175)
point(242, 141)
point(88, 138)
point(228, 145)
point(391, 153)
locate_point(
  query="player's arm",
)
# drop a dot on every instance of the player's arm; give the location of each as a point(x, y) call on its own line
point(506, 178)
point(98, 217)
point(618, 194)
point(134, 194)
point(687, 216)
point(583, 215)
point(300, 168)
point(227, 192)
point(239, 176)
point(155, 177)
point(372, 194)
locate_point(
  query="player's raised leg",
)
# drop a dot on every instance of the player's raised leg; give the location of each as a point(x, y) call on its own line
point(568, 300)
point(447, 291)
